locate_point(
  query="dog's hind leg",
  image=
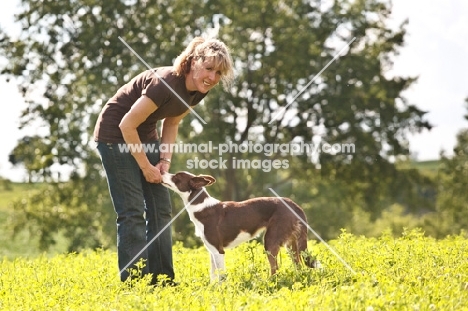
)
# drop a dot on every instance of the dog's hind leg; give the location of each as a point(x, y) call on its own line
point(302, 254)
point(295, 251)
point(272, 247)
point(217, 266)
point(272, 253)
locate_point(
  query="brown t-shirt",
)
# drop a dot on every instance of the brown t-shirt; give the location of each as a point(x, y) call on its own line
point(146, 83)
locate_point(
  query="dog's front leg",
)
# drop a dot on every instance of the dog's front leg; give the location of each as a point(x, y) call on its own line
point(217, 266)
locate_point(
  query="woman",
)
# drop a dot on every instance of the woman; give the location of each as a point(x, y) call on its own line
point(129, 119)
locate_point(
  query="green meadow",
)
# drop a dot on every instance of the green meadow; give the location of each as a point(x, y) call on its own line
point(413, 272)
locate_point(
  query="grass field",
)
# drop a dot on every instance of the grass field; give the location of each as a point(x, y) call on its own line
point(413, 272)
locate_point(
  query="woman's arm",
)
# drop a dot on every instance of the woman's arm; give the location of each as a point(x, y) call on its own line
point(139, 112)
point(170, 127)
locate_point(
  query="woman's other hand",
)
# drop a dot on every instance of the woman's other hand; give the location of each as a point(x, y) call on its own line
point(152, 174)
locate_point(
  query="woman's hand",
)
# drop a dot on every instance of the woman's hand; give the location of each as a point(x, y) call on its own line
point(163, 166)
point(152, 174)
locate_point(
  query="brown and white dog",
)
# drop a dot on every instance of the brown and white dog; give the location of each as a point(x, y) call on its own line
point(227, 224)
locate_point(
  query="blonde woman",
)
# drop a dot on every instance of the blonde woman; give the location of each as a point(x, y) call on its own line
point(129, 118)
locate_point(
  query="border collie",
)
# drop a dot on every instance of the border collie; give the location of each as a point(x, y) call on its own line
point(227, 224)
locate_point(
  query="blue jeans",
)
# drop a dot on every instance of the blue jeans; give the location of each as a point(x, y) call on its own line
point(143, 209)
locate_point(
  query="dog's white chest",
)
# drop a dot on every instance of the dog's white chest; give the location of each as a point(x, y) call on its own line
point(192, 209)
point(199, 228)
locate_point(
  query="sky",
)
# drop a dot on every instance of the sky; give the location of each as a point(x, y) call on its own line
point(436, 52)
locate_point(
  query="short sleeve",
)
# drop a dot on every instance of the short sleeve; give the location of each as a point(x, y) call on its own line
point(156, 90)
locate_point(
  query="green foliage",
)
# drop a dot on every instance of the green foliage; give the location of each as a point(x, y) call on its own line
point(451, 213)
point(413, 272)
point(394, 220)
point(5, 184)
point(22, 243)
point(10, 191)
point(452, 199)
point(79, 211)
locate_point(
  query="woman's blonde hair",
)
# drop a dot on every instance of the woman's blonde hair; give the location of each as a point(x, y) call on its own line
point(201, 49)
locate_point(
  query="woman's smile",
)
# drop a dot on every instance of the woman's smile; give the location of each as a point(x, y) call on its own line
point(203, 77)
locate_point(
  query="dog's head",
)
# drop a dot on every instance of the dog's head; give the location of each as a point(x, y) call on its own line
point(185, 183)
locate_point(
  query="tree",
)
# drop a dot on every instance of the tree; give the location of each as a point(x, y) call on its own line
point(282, 46)
point(452, 199)
point(72, 54)
point(30, 152)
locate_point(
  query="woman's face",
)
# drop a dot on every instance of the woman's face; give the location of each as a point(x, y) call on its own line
point(203, 76)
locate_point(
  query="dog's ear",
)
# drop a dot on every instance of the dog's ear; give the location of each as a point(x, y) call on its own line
point(211, 180)
point(201, 181)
